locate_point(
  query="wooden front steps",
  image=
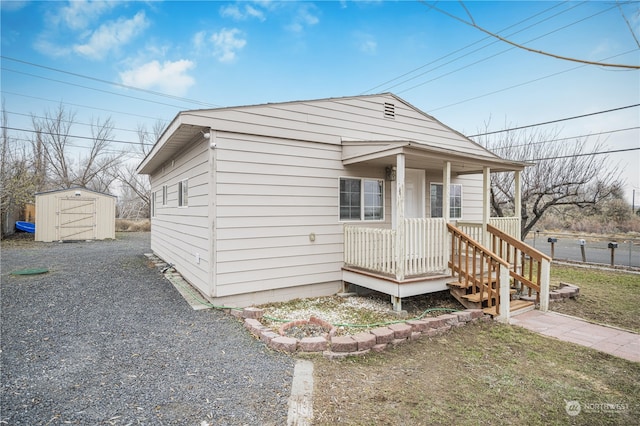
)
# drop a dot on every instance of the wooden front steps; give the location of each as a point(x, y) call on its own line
point(516, 307)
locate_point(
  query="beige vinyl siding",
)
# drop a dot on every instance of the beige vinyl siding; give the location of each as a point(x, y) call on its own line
point(471, 194)
point(181, 234)
point(63, 215)
point(328, 121)
point(271, 195)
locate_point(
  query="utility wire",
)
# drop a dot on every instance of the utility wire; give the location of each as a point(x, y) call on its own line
point(129, 114)
point(72, 136)
point(500, 53)
point(459, 50)
point(517, 85)
point(90, 88)
point(556, 121)
point(500, 148)
point(113, 83)
point(584, 154)
point(66, 121)
point(520, 46)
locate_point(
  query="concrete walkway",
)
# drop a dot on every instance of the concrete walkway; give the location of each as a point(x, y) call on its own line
point(614, 341)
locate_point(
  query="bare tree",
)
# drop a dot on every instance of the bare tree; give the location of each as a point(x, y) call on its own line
point(136, 189)
point(16, 177)
point(95, 170)
point(565, 173)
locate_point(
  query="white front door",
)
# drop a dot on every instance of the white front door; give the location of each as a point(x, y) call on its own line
point(414, 185)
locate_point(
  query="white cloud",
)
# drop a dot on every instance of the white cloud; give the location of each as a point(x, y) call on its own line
point(78, 14)
point(111, 36)
point(169, 77)
point(366, 43)
point(235, 12)
point(226, 44)
point(305, 17)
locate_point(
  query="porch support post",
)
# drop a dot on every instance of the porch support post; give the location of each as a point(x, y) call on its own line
point(446, 191)
point(486, 210)
point(505, 295)
point(517, 201)
point(400, 239)
point(446, 208)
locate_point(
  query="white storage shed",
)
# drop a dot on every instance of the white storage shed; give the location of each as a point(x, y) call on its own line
point(75, 214)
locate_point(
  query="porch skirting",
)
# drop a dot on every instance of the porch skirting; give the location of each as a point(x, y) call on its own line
point(410, 286)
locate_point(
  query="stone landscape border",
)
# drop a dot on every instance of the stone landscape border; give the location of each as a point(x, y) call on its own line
point(376, 340)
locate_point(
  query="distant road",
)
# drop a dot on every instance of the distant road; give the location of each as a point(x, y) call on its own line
point(596, 251)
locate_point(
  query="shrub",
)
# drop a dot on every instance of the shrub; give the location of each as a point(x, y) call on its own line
point(126, 225)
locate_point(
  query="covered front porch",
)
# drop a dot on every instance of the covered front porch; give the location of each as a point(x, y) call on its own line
point(413, 254)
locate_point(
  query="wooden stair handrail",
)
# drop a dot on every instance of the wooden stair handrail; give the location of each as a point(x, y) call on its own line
point(523, 247)
point(455, 230)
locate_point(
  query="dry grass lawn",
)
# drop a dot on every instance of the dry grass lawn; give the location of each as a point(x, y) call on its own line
point(483, 373)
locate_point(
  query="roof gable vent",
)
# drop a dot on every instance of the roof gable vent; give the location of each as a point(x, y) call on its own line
point(389, 110)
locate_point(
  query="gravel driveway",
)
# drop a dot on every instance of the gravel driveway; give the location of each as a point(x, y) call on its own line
point(103, 338)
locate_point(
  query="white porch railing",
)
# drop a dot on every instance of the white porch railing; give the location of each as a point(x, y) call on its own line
point(374, 249)
point(426, 245)
point(508, 225)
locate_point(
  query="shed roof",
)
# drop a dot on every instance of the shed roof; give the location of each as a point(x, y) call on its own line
point(75, 188)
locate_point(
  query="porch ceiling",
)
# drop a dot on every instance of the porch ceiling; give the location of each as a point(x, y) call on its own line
point(419, 156)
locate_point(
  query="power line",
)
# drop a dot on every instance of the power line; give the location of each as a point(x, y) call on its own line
point(520, 84)
point(520, 46)
point(80, 105)
point(565, 139)
point(491, 56)
point(90, 88)
point(459, 50)
point(500, 53)
point(72, 136)
point(113, 83)
point(613, 151)
point(556, 121)
point(67, 121)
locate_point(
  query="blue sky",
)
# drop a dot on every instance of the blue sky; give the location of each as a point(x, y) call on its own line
point(209, 54)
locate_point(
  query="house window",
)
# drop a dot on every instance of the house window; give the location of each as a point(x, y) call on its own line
point(165, 195)
point(361, 199)
point(183, 193)
point(455, 200)
point(153, 204)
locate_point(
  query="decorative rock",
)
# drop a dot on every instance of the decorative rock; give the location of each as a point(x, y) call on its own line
point(268, 336)
point(383, 335)
point(449, 319)
point(236, 313)
point(365, 341)
point(475, 313)
point(282, 343)
point(397, 342)
point(400, 331)
point(415, 335)
point(434, 322)
point(343, 344)
point(313, 344)
point(418, 325)
point(379, 347)
point(252, 324)
point(463, 316)
point(252, 312)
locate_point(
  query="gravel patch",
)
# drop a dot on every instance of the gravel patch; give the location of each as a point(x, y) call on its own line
point(103, 338)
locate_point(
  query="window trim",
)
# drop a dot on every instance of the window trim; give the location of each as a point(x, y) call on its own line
point(165, 195)
point(153, 204)
point(362, 199)
point(450, 204)
point(183, 193)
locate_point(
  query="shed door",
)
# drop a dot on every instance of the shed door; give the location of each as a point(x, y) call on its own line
point(76, 218)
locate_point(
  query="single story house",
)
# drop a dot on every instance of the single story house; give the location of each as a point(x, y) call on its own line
point(73, 214)
point(263, 203)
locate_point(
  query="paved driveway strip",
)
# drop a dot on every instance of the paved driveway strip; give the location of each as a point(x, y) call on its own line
point(103, 338)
